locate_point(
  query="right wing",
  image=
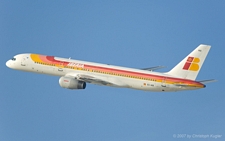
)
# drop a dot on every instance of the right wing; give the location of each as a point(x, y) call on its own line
point(153, 68)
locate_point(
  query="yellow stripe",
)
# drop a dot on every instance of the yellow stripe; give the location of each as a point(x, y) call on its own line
point(35, 58)
point(196, 60)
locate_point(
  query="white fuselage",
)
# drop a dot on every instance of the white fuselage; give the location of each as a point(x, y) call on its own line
point(103, 74)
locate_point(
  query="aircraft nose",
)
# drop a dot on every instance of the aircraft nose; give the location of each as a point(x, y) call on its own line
point(8, 64)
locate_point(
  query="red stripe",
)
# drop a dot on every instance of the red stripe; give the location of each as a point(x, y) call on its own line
point(190, 59)
point(131, 73)
point(138, 74)
point(186, 66)
point(52, 59)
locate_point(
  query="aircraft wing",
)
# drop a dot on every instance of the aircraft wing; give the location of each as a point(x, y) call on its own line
point(92, 79)
point(153, 68)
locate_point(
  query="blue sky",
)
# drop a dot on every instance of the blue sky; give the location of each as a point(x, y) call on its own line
point(136, 34)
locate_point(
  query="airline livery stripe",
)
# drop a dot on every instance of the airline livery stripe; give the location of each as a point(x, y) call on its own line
point(169, 80)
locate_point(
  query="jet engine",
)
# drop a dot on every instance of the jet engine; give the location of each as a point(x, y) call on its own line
point(71, 83)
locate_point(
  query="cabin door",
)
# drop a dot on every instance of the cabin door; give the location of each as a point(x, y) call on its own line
point(60, 67)
point(165, 86)
point(23, 61)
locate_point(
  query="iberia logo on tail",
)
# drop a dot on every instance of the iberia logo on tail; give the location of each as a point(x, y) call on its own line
point(192, 64)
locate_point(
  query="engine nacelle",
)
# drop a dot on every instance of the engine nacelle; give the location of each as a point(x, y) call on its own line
point(71, 83)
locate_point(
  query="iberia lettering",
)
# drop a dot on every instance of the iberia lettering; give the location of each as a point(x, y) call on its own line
point(71, 64)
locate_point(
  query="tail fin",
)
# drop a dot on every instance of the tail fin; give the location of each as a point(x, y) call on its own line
point(190, 66)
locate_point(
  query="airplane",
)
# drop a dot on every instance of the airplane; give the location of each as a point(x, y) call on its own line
point(74, 74)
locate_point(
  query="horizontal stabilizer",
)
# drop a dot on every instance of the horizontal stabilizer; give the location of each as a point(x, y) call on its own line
point(207, 81)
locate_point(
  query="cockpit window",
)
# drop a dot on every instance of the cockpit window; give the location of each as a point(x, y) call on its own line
point(14, 59)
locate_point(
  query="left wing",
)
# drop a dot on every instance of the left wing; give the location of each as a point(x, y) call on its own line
point(92, 79)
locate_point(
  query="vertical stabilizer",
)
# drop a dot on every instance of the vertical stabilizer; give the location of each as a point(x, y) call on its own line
point(190, 66)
